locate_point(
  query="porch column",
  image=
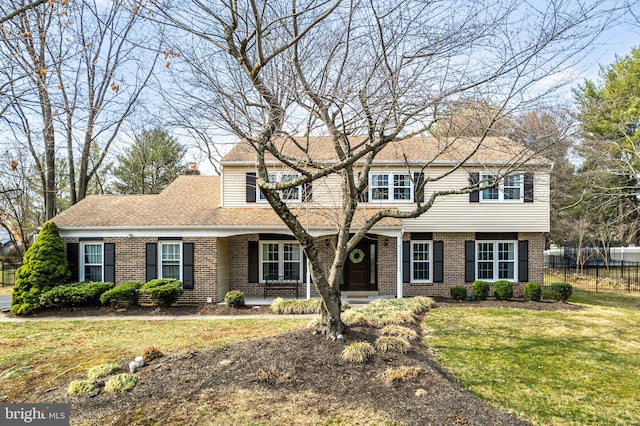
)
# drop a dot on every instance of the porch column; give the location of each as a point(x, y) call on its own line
point(399, 264)
point(308, 278)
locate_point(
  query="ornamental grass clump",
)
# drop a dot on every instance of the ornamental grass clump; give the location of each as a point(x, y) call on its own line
point(399, 331)
point(151, 353)
point(101, 371)
point(403, 373)
point(120, 383)
point(358, 352)
point(354, 317)
point(296, 306)
point(80, 387)
point(392, 344)
point(383, 312)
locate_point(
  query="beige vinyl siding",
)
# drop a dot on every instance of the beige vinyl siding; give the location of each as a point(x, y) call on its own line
point(453, 213)
point(234, 190)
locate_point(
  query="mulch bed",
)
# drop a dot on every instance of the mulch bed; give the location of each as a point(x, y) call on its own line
point(215, 309)
point(306, 362)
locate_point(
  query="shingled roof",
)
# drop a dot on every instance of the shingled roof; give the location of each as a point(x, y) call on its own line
point(190, 201)
point(419, 150)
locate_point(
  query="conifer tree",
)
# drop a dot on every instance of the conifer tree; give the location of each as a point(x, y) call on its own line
point(44, 266)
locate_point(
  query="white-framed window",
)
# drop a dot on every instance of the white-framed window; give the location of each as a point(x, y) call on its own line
point(390, 186)
point(496, 260)
point(170, 260)
point(421, 262)
point(92, 255)
point(291, 194)
point(509, 189)
point(280, 260)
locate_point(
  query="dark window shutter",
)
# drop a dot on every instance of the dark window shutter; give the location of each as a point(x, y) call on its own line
point(364, 196)
point(474, 180)
point(528, 187)
point(187, 265)
point(523, 261)
point(438, 261)
point(418, 179)
point(151, 262)
point(73, 259)
point(110, 262)
point(306, 191)
point(254, 268)
point(251, 187)
point(469, 261)
point(406, 261)
point(303, 278)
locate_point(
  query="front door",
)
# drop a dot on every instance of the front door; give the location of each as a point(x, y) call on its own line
point(360, 268)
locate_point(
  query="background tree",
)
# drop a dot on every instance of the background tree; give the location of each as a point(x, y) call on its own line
point(152, 163)
point(366, 74)
point(609, 117)
point(74, 72)
point(44, 266)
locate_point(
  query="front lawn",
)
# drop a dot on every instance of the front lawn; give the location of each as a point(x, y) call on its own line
point(554, 367)
point(36, 356)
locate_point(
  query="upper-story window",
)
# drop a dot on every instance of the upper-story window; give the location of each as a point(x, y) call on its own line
point(509, 188)
point(291, 194)
point(92, 262)
point(390, 187)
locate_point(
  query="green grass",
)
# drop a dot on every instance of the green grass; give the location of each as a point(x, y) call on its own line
point(40, 355)
point(611, 300)
point(554, 367)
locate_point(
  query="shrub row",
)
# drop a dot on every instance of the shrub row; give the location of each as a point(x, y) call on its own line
point(163, 292)
point(503, 290)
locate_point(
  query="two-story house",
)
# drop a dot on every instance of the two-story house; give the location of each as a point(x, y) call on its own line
point(217, 233)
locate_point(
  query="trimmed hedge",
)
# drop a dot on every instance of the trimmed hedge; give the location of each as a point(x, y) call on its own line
point(503, 290)
point(561, 291)
point(532, 291)
point(458, 293)
point(163, 291)
point(124, 293)
point(74, 295)
point(480, 290)
point(234, 298)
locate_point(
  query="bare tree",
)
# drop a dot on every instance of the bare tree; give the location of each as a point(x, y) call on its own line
point(366, 74)
point(75, 72)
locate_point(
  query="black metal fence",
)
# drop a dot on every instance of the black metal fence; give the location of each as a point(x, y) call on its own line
point(613, 276)
point(8, 274)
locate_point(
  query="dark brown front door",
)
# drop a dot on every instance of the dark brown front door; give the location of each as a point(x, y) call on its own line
point(359, 271)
